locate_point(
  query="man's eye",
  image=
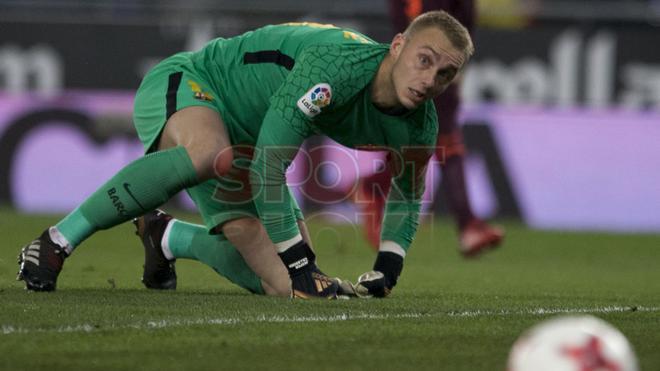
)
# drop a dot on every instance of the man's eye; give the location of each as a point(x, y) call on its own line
point(445, 74)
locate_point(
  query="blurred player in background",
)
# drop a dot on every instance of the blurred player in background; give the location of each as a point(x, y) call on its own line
point(475, 235)
point(225, 122)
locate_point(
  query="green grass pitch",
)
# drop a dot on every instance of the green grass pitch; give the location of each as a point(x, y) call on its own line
point(445, 314)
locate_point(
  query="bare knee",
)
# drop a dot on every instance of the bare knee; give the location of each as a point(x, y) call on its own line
point(245, 231)
point(222, 162)
point(210, 161)
point(201, 131)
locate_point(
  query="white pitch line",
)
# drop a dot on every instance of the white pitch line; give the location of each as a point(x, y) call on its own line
point(164, 323)
point(10, 329)
point(546, 311)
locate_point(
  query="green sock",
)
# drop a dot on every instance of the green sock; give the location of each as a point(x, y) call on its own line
point(192, 241)
point(141, 186)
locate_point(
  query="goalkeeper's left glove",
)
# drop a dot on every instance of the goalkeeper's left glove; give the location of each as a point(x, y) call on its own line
point(380, 282)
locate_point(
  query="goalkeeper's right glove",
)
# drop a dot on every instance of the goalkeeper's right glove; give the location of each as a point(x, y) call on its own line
point(307, 280)
point(380, 281)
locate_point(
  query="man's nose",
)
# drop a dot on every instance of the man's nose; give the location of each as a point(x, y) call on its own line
point(428, 79)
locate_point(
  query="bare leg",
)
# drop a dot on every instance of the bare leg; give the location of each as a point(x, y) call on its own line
point(202, 133)
point(251, 240)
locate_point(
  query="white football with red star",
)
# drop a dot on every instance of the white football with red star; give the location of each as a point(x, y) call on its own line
point(572, 343)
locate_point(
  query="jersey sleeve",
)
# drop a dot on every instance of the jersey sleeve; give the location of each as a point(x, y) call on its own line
point(408, 169)
point(305, 94)
point(404, 200)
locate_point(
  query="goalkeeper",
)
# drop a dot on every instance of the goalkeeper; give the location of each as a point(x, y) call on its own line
point(225, 122)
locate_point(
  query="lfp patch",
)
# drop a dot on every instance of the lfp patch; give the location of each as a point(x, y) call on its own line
point(317, 97)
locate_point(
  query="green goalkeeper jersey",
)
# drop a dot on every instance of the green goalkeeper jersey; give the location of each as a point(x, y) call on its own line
point(280, 84)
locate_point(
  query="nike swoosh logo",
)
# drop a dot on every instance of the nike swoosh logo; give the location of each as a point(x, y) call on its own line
point(126, 187)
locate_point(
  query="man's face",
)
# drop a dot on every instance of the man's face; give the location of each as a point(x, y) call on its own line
point(424, 65)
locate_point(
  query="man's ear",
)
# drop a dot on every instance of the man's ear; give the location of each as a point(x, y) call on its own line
point(397, 45)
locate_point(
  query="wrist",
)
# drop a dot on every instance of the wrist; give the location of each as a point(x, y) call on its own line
point(391, 265)
point(298, 258)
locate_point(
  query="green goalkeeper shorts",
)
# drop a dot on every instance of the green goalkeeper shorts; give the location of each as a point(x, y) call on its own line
point(172, 85)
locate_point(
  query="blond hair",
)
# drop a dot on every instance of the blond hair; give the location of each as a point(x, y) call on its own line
point(457, 34)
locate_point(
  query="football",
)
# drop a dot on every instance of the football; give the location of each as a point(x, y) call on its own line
point(572, 343)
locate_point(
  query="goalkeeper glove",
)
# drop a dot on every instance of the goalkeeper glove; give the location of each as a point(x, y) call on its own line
point(380, 281)
point(307, 280)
